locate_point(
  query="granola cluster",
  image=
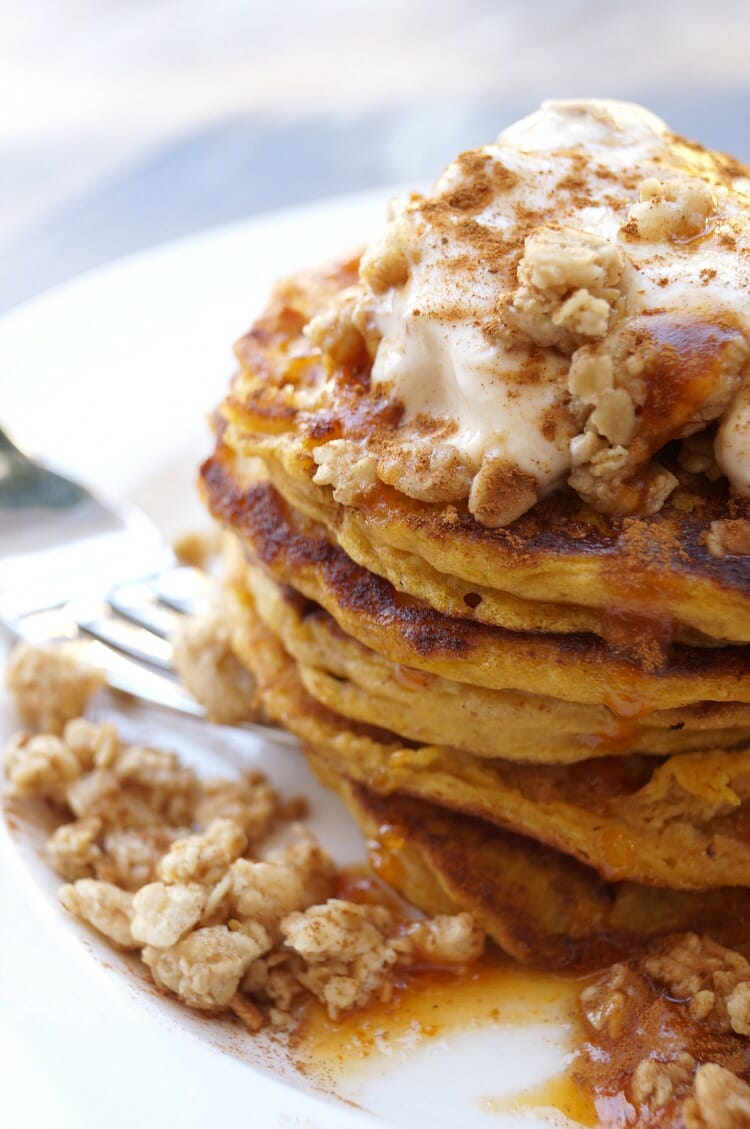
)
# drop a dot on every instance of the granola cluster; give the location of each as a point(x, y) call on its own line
point(179, 869)
point(625, 415)
point(568, 286)
point(347, 466)
point(695, 994)
point(714, 982)
point(49, 687)
point(729, 538)
point(671, 209)
point(203, 657)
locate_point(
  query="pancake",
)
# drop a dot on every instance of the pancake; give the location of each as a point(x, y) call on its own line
point(574, 668)
point(360, 684)
point(562, 567)
point(679, 823)
point(541, 907)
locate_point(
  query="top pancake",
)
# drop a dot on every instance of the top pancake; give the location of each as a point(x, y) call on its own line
point(561, 567)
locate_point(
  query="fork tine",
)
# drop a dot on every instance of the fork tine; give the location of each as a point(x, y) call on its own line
point(138, 603)
point(75, 544)
point(183, 589)
point(123, 673)
point(131, 677)
point(100, 622)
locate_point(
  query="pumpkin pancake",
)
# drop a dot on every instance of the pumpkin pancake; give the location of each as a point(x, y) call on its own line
point(636, 679)
point(539, 906)
point(360, 684)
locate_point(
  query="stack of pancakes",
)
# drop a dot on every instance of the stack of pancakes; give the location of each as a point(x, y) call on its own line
point(547, 724)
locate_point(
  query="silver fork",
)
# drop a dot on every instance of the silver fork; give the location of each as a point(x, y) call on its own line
point(94, 578)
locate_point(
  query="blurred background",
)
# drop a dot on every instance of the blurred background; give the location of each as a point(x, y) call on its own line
point(124, 123)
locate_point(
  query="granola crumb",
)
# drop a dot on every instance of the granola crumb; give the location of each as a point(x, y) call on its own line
point(203, 858)
point(198, 547)
point(346, 949)
point(655, 1083)
point(605, 1003)
point(163, 863)
point(500, 492)
point(40, 766)
point(48, 686)
point(568, 285)
point(206, 662)
point(163, 914)
point(205, 968)
point(720, 1100)
point(250, 802)
point(92, 744)
point(334, 331)
point(664, 1019)
point(671, 209)
point(74, 851)
point(429, 472)
point(245, 1009)
point(444, 939)
point(287, 880)
point(103, 905)
point(729, 538)
point(347, 466)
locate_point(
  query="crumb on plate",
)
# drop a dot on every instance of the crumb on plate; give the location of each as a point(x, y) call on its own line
point(162, 862)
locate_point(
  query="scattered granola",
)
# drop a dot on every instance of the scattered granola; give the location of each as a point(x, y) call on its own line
point(720, 1100)
point(178, 868)
point(48, 686)
point(198, 547)
point(568, 285)
point(672, 209)
point(669, 1032)
point(713, 982)
point(203, 657)
point(730, 537)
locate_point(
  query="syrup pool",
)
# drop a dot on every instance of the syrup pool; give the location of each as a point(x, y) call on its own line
point(495, 1008)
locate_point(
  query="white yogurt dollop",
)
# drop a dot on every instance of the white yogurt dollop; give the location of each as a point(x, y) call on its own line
point(454, 340)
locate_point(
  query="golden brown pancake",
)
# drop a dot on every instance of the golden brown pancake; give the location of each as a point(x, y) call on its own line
point(539, 906)
point(574, 668)
point(360, 684)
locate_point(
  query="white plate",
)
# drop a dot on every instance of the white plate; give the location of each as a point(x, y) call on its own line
point(111, 377)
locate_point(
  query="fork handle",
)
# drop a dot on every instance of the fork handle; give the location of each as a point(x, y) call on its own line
point(9, 452)
point(23, 483)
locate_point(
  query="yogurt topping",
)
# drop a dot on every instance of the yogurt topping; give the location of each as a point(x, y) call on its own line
point(549, 286)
